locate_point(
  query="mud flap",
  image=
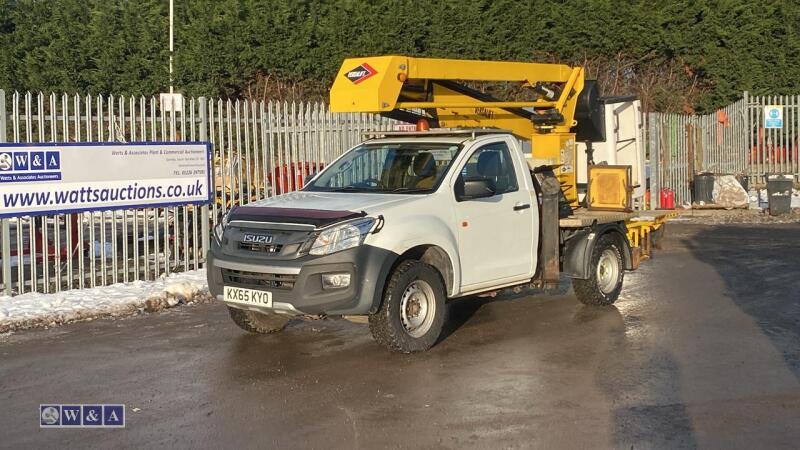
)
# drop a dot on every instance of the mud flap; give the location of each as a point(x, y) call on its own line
point(549, 244)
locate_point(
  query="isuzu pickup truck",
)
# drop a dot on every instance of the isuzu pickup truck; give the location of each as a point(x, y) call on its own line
point(402, 223)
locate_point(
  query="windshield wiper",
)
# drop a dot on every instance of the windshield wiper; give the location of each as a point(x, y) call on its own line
point(409, 190)
point(346, 189)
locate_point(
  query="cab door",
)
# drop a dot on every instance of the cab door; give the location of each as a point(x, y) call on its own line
point(495, 232)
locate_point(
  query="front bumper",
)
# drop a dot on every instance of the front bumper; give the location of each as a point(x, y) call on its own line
point(296, 285)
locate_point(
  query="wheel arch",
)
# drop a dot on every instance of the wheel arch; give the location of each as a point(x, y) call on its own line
point(431, 254)
point(435, 256)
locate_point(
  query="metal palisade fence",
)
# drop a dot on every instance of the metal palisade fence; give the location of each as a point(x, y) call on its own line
point(261, 149)
point(733, 140)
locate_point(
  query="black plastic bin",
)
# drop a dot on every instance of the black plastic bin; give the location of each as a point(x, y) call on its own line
point(779, 191)
point(703, 188)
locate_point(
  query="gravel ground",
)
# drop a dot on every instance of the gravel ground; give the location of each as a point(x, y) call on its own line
point(744, 216)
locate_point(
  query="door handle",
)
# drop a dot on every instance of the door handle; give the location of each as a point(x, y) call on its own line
point(520, 207)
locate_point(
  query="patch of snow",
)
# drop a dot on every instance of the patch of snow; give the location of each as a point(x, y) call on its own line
point(35, 309)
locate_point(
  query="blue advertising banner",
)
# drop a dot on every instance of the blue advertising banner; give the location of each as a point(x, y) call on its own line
point(54, 178)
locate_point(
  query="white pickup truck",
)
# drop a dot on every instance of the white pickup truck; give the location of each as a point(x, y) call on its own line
point(402, 223)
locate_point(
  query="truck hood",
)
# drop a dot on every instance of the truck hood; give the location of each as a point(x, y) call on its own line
point(336, 201)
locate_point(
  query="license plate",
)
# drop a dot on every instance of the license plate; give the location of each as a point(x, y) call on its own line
point(247, 296)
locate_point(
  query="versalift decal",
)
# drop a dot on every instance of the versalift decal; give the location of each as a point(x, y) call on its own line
point(360, 73)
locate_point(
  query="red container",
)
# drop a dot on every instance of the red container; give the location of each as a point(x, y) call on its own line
point(667, 198)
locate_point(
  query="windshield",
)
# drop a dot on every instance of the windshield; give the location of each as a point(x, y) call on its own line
point(401, 168)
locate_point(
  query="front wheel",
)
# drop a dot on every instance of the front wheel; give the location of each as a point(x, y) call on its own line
point(412, 312)
point(606, 273)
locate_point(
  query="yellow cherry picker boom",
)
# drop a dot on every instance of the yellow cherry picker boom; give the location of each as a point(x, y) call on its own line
point(585, 148)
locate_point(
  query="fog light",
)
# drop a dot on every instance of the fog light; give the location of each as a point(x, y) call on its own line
point(335, 280)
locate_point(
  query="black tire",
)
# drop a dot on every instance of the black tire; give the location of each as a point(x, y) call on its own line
point(598, 288)
point(412, 279)
point(256, 322)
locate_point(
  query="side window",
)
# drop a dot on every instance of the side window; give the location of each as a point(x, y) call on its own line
point(491, 162)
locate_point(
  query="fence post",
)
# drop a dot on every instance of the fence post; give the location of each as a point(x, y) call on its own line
point(748, 138)
point(6, 227)
point(204, 219)
point(653, 155)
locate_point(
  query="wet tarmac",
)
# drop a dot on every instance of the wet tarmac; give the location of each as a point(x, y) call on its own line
point(702, 350)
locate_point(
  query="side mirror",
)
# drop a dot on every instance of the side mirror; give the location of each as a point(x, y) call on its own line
point(477, 188)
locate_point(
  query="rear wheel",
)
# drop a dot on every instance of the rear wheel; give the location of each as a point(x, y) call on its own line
point(606, 273)
point(256, 322)
point(412, 312)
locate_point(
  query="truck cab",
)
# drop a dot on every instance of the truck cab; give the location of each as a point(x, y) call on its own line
point(400, 224)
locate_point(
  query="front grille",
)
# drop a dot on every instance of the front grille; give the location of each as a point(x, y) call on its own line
point(261, 248)
point(258, 279)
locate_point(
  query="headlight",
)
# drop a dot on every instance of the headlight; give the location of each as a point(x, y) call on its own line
point(220, 228)
point(341, 237)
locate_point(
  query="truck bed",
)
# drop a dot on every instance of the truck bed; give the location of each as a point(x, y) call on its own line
point(583, 217)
